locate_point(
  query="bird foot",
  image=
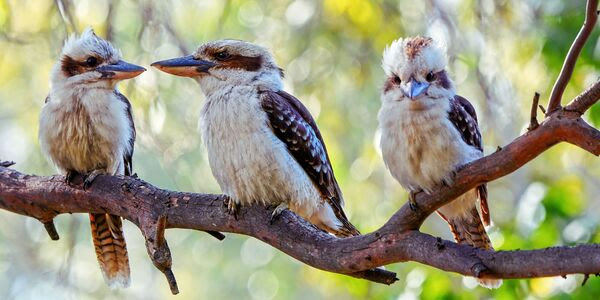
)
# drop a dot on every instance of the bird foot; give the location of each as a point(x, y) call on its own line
point(277, 211)
point(412, 201)
point(89, 178)
point(232, 207)
point(70, 177)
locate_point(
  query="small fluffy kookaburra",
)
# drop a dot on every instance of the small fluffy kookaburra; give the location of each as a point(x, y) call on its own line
point(263, 144)
point(428, 132)
point(86, 128)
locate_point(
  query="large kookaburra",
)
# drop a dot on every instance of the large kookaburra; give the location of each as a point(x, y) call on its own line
point(428, 132)
point(263, 144)
point(86, 127)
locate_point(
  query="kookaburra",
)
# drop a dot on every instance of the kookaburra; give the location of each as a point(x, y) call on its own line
point(428, 132)
point(263, 145)
point(86, 128)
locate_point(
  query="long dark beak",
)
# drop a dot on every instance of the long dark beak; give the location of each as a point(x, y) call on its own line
point(120, 70)
point(413, 89)
point(187, 66)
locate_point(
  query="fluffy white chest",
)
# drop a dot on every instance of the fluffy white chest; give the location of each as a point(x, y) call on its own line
point(85, 131)
point(249, 162)
point(421, 147)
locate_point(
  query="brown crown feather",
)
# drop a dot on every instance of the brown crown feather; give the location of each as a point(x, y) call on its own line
point(415, 45)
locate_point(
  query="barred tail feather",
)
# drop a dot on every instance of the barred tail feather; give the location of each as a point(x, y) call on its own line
point(468, 229)
point(111, 250)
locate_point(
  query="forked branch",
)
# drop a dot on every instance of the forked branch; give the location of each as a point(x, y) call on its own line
point(591, 16)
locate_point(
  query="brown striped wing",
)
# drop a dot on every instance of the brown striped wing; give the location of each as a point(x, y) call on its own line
point(463, 116)
point(295, 127)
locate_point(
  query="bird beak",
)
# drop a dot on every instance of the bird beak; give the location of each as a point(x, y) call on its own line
point(414, 88)
point(187, 66)
point(120, 70)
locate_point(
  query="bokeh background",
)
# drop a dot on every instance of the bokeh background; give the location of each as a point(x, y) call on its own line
point(500, 52)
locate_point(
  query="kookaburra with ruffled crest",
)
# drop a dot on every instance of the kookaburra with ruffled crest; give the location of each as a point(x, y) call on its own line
point(428, 132)
point(263, 144)
point(86, 128)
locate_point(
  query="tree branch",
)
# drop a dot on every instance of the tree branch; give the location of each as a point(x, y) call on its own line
point(560, 85)
point(153, 209)
point(67, 17)
point(585, 100)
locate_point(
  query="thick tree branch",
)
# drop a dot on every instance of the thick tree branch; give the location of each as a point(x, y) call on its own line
point(153, 209)
point(560, 85)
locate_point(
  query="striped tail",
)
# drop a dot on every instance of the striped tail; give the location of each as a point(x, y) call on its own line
point(111, 250)
point(468, 229)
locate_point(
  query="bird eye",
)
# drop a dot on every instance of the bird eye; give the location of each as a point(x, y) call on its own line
point(91, 61)
point(396, 79)
point(430, 77)
point(223, 55)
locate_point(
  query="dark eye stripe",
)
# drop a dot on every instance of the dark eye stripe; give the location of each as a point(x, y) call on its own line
point(247, 63)
point(392, 81)
point(71, 67)
point(442, 78)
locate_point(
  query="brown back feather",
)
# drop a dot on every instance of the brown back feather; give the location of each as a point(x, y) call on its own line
point(293, 124)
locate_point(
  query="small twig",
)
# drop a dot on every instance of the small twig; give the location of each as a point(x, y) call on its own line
point(378, 275)
point(219, 236)
point(158, 250)
point(7, 163)
point(542, 109)
point(172, 282)
point(585, 279)
point(51, 229)
point(66, 16)
point(109, 22)
point(533, 122)
point(591, 17)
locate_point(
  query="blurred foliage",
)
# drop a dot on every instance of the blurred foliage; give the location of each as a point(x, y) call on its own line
point(500, 52)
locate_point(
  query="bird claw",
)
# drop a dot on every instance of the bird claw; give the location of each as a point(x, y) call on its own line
point(412, 201)
point(89, 179)
point(232, 207)
point(277, 212)
point(413, 206)
point(70, 177)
